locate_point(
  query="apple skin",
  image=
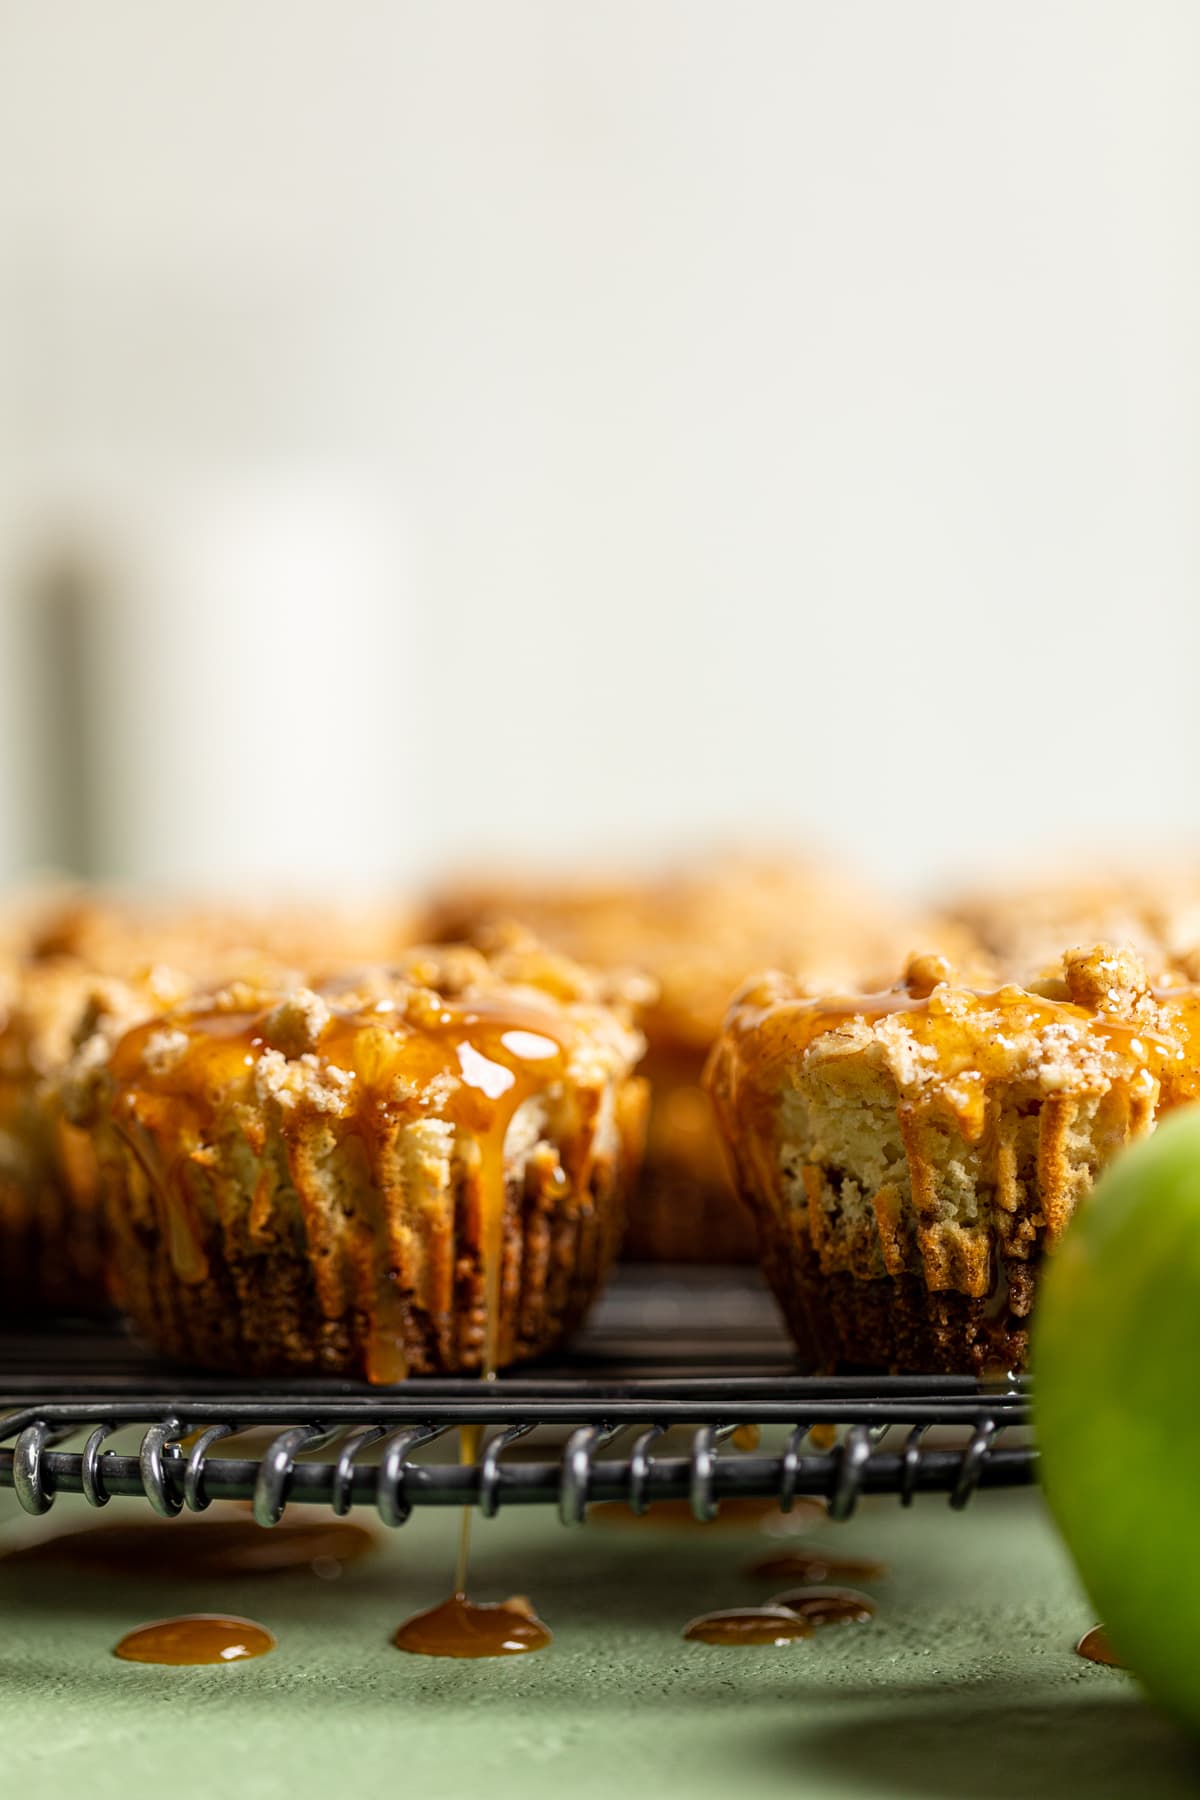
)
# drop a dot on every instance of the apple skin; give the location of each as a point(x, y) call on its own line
point(1116, 1366)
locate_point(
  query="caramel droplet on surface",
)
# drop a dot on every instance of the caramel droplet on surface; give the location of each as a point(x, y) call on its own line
point(195, 1638)
point(823, 1437)
point(749, 1625)
point(1094, 1645)
point(809, 1566)
point(826, 1605)
point(745, 1438)
point(465, 1628)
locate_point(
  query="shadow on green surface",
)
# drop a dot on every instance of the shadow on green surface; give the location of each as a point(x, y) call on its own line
point(1109, 1747)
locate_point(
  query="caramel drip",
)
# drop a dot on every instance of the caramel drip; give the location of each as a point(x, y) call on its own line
point(195, 1638)
point(826, 1605)
point(745, 1438)
point(367, 1071)
point(1094, 1645)
point(749, 1625)
point(470, 1438)
point(471, 1062)
point(199, 1548)
point(971, 1031)
point(463, 1628)
point(809, 1566)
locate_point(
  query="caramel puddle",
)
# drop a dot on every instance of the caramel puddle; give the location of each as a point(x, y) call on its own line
point(826, 1605)
point(467, 1628)
point(195, 1638)
point(743, 1626)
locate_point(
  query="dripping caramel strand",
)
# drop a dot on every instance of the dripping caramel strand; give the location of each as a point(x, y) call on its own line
point(471, 1062)
point(966, 1037)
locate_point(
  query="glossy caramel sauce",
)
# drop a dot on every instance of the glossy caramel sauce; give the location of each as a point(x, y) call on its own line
point(1094, 1645)
point(808, 1566)
point(195, 1638)
point(826, 1605)
point(194, 1548)
point(745, 1438)
point(464, 1628)
point(823, 1437)
point(467, 1628)
point(470, 1439)
point(956, 1021)
point(471, 1061)
point(745, 1626)
point(972, 1032)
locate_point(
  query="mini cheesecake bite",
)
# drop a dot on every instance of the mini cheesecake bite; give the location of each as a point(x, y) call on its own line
point(416, 1169)
point(910, 1156)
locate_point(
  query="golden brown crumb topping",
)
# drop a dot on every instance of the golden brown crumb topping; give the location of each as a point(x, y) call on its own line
point(445, 1041)
point(443, 1031)
point(1099, 1022)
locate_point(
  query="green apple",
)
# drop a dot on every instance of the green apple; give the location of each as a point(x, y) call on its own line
point(1116, 1364)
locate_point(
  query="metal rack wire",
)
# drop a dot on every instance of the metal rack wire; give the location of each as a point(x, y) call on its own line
point(641, 1411)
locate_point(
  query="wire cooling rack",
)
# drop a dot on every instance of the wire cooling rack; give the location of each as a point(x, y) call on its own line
point(643, 1409)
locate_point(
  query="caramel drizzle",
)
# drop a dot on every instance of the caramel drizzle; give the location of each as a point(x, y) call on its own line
point(472, 1063)
point(470, 1439)
point(1156, 1066)
point(789, 1027)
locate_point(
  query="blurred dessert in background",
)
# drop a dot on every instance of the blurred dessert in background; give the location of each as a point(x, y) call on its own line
point(78, 967)
point(912, 1155)
point(1026, 924)
point(50, 1249)
point(696, 932)
point(111, 933)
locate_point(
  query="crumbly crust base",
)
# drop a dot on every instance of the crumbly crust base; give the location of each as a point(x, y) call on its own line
point(894, 1322)
point(259, 1307)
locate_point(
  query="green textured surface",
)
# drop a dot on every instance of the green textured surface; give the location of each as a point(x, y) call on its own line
point(965, 1685)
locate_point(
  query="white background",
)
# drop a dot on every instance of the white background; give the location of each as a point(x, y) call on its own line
point(489, 424)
